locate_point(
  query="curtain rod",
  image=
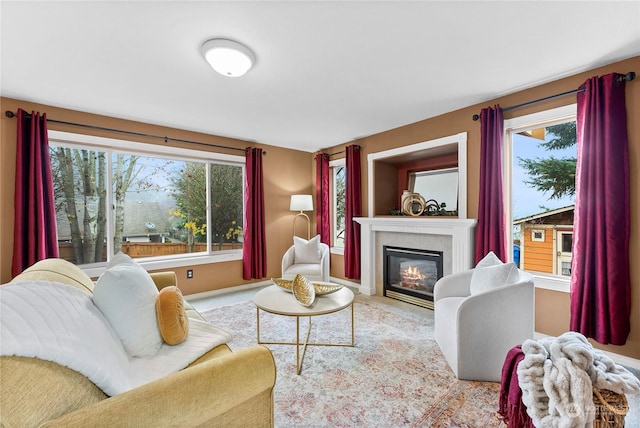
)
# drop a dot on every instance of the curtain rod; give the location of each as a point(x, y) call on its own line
point(357, 147)
point(11, 114)
point(627, 77)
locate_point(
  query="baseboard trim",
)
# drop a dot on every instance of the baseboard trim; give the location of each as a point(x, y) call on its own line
point(347, 283)
point(227, 290)
point(620, 359)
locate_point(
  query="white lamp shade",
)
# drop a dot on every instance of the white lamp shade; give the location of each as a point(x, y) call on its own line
point(228, 57)
point(301, 203)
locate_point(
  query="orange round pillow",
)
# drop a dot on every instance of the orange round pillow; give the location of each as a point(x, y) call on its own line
point(172, 318)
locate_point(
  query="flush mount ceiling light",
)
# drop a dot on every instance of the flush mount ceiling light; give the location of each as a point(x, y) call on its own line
point(228, 57)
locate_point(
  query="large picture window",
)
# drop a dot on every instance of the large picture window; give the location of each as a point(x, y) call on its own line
point(339, 175)
point(148, 205)
point(540, 165)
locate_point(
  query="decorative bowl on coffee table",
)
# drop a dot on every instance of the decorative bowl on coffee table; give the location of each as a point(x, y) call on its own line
point(321, 288)
point(303, 291)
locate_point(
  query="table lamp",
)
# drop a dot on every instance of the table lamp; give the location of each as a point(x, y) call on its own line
point(301, 203)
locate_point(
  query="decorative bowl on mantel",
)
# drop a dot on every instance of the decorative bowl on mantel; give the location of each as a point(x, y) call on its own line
point(320, 288)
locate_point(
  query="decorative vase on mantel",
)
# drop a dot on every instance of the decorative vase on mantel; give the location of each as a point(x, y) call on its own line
point(413, 204)
point(405, 194)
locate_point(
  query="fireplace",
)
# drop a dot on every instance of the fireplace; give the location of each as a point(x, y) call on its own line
point(409, 274)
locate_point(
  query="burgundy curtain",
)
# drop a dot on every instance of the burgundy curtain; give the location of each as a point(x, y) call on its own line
point(35, 236)
point(490, 230)
point(353, 208)
point(254, 254)
point(323, 224)
point(600, 277)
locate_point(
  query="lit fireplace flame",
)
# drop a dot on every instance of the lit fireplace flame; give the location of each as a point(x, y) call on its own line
point(413, 273)
point(411, 277)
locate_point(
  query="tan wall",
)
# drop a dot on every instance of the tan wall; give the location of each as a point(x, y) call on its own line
point(553, 309)
point(285, 172)
point(556, 303)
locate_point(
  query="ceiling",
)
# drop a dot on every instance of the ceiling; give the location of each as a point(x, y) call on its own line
point(326, 72)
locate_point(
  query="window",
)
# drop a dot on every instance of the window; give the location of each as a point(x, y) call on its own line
point(537, 235)
point(540, 162)
point(566, 242)
point(339, 174)
point(164, 205)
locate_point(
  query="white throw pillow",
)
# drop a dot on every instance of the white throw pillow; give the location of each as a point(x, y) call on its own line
point(490, 277)
point(489, 260)
point(306, 251)
point(126, 295)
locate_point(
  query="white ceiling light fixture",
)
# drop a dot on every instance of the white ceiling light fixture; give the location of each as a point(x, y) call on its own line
point(228, 57)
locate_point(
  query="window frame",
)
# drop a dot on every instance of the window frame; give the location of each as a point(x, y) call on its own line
point(333, 164)
point(113, 145)
point(546, 117)
point(535, 238)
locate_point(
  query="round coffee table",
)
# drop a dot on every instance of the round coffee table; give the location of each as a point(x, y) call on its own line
point(275, 300)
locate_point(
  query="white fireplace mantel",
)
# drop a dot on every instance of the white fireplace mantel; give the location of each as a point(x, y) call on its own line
point(461, 232)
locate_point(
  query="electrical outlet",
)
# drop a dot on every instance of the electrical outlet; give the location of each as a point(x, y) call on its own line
point(189, 273)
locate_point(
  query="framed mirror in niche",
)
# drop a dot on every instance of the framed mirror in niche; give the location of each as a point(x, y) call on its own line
point(438, 187)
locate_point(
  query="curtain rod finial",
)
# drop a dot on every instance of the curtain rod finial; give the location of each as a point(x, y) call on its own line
point(9, 113)
point(475, 117)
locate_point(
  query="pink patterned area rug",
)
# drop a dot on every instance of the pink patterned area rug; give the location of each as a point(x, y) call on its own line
point(395, 376)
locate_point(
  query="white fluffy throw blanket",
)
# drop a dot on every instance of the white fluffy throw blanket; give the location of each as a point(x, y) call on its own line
point(57, 322)
point(556, 378)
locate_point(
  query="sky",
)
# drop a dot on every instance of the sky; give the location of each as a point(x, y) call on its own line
point(527, 200)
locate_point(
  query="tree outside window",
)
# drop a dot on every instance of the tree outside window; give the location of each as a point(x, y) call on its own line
point(339, 197)
point(226, 184)
point(79, 183)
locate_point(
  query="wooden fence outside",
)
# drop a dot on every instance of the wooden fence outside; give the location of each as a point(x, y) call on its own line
point(152, 249)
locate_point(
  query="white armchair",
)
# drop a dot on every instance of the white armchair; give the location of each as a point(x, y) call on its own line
point(478, 319)
point(307, 258)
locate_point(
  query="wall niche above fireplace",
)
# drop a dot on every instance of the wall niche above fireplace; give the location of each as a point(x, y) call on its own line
point(388, 171)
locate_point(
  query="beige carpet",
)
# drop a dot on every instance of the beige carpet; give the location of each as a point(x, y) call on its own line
point(395, 376)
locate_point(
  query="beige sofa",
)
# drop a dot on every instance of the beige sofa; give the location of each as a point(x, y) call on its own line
point(222, 388)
